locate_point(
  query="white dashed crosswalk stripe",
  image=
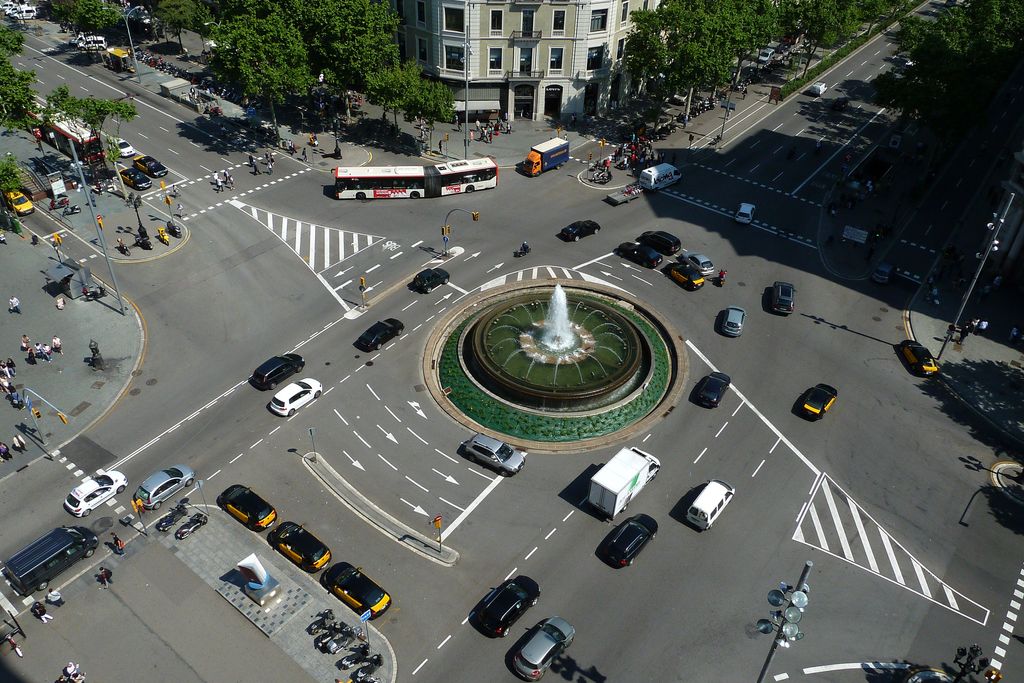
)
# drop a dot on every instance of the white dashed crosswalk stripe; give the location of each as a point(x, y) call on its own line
point(849, 533)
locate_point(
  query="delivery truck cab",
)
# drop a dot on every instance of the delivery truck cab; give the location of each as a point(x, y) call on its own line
point(620, 480)
point(657, 177)
point(545, 156)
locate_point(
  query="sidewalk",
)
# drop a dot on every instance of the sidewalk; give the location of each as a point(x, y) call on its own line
point(81, 392)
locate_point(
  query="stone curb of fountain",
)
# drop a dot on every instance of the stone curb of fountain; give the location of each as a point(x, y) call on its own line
point(674, 341)
point(384, 523)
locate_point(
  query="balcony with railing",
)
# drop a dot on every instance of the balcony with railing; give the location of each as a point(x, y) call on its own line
point(523, 75)
point(526, 35)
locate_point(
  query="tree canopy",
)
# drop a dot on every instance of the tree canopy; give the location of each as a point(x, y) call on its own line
point(179, 15)
point(16, 95)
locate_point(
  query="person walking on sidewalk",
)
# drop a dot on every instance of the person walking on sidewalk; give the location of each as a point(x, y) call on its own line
point(54, 597)
point(58, 347)
point(14, 305)
point(303, 156)
point(48, 353)
point(18, 442)
point(219, 182)
point(5, 452)
point(254, 164)
point(39, 611)
point(228, 180)
point(11, 367)
point(118, 544)
point(105, 576)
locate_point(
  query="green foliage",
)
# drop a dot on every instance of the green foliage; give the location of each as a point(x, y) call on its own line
point(960, 61)
point(179, 15)
point(16, 95)
point(11, 42)
point(428, 100)
point(93, 112)
point(392, 88)
point(265, 55)
point(10, 179)
point(93, 15)
point(348, 41)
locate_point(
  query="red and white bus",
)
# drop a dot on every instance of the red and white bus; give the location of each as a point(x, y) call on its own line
point(63, 134)
point(389, 182)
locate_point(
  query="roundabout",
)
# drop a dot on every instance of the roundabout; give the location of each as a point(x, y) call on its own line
point(561, 366)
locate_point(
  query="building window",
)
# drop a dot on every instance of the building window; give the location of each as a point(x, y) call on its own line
point(599, 20)
point(595, 58)
point(421, 49)
point(625, 12)
point(497, 18)
point(421, 12)
point(555, 62)
point(400, 9)
point(494, 59)
point(527, 21)
point(454, 57)
point(645, 4)
point(558, 23)
point(454, 19)
point(525, 60)
point(620, 48)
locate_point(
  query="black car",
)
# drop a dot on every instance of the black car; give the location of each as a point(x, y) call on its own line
point(840, 103)
point(379, 334)
point(429, 279)
point(574, 231)
point(505, 604)
point(712, 388)
point(783, 298)
point(628, 539)
point(664, 242)
point(277, 370)
point(640, 254)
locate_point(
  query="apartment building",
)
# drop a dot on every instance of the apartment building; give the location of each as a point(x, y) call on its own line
point(536, 58)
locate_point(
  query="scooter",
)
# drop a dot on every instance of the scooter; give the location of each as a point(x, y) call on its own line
point(173, 515)
point(123, 248)
point(174, 229)
point(324, 623)
point(336, 639)
point(71, 210)
point(97, 292)
point(358, 656)
point(188, 528)
point(59, 202)
point(522, 250)
point(143, 242)
point(365, 671)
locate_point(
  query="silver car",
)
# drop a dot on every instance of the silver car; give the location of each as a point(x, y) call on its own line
point(732, 321)
point(550, 638)
point(494, 453)
point(702, 262)
point(161, 485)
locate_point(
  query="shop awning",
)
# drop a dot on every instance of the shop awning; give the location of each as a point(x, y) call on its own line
point(478, 105)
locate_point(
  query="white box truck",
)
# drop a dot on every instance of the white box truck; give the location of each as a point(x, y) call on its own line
point(621, 479)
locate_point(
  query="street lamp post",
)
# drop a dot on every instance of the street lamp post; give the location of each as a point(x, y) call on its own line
point(783, 622)
point(337, 144)
point(969, 660)
point(136, 203)
point(993, 245)
point(446, 228)
point(465, 68)
point(131, 46)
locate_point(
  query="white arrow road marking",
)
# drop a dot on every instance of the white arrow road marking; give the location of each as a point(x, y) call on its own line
point(607, 274)
point(496, 267)
point(473, 255)
point(415, 508)
point(447, 477)
point(355, 463)
point(416, 406)
point(388, 435)
point(458, 289)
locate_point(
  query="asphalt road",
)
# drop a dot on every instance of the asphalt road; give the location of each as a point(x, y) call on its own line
point(873, 494)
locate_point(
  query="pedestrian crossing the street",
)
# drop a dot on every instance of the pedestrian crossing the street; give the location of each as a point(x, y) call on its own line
point(834, 523)
point(320, 246)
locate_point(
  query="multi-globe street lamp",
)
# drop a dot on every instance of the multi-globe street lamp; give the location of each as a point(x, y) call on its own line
point(783, 625)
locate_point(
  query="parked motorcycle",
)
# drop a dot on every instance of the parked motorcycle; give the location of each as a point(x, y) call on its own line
point(323, 623)
point(173, 515)
point(94, 293)
point(174, 229)
point(161, 234)
point(359, 655)
point(367, 669)
point(191, 526)
point(71, 210)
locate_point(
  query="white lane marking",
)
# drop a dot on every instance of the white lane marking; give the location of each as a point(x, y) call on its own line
point(772, 449)
point(816, 521)
point(834, 511)
point(256, 444)
point(422, 439)
point(568, 515)
point(386, 462)
point(757, 470)
point(472, 506)
point(230, 462)
point(373, 392)
point(920, 578)
point(416, 670)
point(397, 419)
point(951, 599)
point(866, 666)
point(529, 554)
point(340, 417)
point(479, 474)
point(444, 641)
point(444, 500)
point(595, 260)
point(511, 573)
point(361, 439)
point(855, 511)
point(550, 532)
point(722, 429)
point(700, 456)
point(458, 289)
point(445, 454)
point(416, 483)
point(892, 556)
point(409, 306)
point(274, 430)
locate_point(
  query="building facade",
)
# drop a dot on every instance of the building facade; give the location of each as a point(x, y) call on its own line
point(534, 59)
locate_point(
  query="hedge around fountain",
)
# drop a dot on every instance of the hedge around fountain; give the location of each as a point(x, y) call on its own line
point(492, 413)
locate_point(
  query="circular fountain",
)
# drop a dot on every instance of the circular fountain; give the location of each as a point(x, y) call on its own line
point(558, 354)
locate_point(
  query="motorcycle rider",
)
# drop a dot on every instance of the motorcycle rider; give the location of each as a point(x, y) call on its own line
point(721, 277)
point(524, 248)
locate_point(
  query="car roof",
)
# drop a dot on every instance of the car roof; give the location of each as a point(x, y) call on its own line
point(300, 537)
point(720, 376)
point(290, 391)
point(735, 310)
point(745, 206)
point(488, 442)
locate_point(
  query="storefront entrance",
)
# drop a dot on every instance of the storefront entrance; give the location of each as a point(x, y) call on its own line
point(523, 102)
point(553, 101)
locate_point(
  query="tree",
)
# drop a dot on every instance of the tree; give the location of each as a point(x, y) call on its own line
point(93, 15)
point(10, 178)
point(178, 15)
point(429, 100)
point(753, 24)
point(390, 88)
point(17, 98)
point(264, 55)
point(822, 22)
point(93, 112)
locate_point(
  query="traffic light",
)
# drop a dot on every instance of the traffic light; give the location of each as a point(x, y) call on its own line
point(36, 413)
point(446, 230)
point(62, 417)
point(446, 137)
point(603, 142)
point(362, 282)
point(590, 156)
point(476, 215)
point(99, 221)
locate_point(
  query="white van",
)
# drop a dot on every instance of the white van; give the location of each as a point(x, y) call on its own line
point(710, 503)
point(25, 12)
point(657, 177)
point(91, 43)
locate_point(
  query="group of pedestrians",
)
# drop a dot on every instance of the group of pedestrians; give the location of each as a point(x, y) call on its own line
point(268, 161)
point(224, 179)
point(39, 350)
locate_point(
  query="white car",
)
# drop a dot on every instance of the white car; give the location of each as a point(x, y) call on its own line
point(818, 89)
point(94, 491)
point(765, 55)
point(126, 148)
point(295, 395)
point(9, 7)
point(745, 214)
point(701, 262)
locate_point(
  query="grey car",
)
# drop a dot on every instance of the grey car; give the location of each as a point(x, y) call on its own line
point(550, 638)
point(494, 453)
point(701, 261)
point(161, 485)
point(732, 321)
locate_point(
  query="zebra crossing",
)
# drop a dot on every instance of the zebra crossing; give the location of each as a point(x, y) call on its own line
point(834, 523)
point(320, 246)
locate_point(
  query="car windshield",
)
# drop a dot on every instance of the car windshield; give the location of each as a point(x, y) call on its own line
point(72, 501)
point(504, 452)
point(142, 494)
point(554, 632)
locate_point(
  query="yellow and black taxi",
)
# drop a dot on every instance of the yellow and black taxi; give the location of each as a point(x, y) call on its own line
point(356, 590)
point(136, 179)
point(818, 400)
point(149, 166)
point(301, 547)
point(918, 358)
point(18, 203)
point(245, 505)
point(686, 274)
